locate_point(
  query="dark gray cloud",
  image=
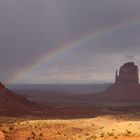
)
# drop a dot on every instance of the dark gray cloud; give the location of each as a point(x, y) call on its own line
point(30, 28)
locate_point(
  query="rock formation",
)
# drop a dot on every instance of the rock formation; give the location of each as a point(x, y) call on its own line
point(128, 74)
point(2, 137)
point(12, 103)
point(126, 86)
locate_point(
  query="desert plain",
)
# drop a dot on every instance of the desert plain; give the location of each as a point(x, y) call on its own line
point(100, 122)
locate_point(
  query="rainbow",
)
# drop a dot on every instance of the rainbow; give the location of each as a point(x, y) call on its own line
point(78, 42)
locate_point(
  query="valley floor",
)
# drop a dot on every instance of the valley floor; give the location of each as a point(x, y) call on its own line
point(103, 127)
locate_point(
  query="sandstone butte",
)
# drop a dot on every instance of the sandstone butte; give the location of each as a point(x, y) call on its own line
point(126, 86)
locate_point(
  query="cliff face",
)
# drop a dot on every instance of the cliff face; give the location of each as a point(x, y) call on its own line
point(126, 86)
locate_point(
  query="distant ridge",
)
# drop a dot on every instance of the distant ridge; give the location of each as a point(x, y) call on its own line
point(58, 88)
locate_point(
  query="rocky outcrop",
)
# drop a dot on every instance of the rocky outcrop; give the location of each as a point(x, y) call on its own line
point(126, 86)
point(128, 74)
point(12, 103)
point(2, 137)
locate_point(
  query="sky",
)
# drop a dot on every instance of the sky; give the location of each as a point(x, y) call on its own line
point(32, 29)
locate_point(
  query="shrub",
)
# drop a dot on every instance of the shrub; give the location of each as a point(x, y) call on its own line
point(102, 135)
point(110, 134)
point(128, 132)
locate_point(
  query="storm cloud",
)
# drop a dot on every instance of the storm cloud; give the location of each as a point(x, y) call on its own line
point(31, 28)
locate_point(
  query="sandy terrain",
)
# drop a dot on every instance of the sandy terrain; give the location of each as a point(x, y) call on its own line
point(107, 127)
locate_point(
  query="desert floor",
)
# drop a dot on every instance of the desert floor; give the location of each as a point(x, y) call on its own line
point(103, 127)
